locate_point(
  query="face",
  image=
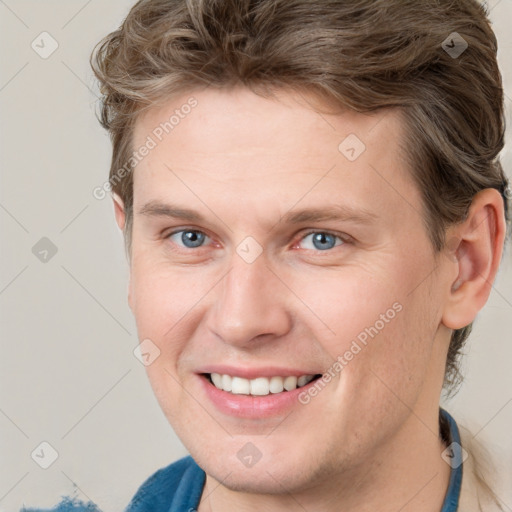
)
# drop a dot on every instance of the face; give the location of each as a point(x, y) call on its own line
point(269, 248)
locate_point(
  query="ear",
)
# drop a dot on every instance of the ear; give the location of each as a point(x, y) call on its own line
point(476, 247)
point(119, 211)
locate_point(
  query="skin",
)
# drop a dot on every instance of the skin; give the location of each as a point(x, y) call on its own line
point(370, 439)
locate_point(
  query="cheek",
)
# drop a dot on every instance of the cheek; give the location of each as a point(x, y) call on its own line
point(382, 333)
point(393, 359)
point(162, 296)
point(350, 304)
point(168, 306)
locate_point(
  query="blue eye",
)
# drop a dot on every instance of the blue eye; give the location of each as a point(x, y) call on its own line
point(188, 238)
point(322, 240)
point(317, 240)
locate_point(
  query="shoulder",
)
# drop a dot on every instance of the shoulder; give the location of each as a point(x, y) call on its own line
point(182, 480)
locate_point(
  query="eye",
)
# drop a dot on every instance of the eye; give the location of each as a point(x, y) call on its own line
point(321, 240)
point(188, 238)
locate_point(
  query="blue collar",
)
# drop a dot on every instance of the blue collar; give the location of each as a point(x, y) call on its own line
point(454, 454)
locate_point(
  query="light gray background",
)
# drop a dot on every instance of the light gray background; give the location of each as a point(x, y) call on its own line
point(68, 373)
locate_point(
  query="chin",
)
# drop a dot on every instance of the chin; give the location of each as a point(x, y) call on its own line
point(259, 481)
point(275, 474)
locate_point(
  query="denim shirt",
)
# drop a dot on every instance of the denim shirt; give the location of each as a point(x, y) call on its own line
point(178, 487)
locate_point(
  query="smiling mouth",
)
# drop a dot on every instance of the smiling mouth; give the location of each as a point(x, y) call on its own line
point(260, 386)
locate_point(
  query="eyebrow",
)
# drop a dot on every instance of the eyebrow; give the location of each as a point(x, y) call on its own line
point(156, 209)
point(338, 212)
point(332, 213)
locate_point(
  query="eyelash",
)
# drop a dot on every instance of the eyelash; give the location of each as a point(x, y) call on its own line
point(343, 237)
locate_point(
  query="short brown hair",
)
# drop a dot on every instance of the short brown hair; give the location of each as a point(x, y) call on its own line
point(361, 54)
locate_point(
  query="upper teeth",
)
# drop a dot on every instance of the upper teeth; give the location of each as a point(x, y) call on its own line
point(259, 386)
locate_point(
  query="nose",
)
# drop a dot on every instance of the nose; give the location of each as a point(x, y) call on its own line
point(250, 302)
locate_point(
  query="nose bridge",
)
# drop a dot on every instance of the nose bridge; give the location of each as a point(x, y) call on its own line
point(248, 303)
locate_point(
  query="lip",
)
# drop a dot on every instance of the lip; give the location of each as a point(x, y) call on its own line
point(253, 407)
point(254, 373)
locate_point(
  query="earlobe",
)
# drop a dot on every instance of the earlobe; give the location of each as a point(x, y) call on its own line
point(476, 246)
point(119, 211)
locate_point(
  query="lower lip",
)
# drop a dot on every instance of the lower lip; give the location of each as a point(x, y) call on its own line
point(253, 407)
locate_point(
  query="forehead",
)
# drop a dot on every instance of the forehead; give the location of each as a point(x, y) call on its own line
point(239, 119)
point(271, 149)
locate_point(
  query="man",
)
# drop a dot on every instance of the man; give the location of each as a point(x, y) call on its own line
point(314, 213)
